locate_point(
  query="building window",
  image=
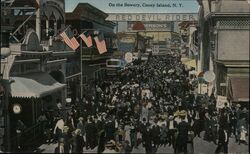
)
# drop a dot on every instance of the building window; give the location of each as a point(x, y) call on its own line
point(234, 24)
point(5, 39)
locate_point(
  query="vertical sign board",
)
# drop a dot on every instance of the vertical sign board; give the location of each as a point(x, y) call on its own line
point(221, 100)
point(203, 88)
point(156, 49)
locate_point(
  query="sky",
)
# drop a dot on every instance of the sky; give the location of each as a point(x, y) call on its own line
point(138, 6)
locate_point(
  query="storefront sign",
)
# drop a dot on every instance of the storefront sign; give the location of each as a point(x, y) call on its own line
point(156, 49)
point(221, 100)
point(154, 26)
point(152, 17)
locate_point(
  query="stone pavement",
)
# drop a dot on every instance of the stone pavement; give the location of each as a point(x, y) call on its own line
point(200, 147)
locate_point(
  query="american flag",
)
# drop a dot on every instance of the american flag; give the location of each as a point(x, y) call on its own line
point(70, 41)
point(100, 43)
point(75, 43)
point(87, 38)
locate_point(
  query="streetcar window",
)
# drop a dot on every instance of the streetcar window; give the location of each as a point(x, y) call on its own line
point(113, 63)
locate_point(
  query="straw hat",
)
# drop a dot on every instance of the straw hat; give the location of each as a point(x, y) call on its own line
point(110, 143)
point(65, 129)
point(182, 113)
point(177, 113)
point(77, 132)
point(171, 117)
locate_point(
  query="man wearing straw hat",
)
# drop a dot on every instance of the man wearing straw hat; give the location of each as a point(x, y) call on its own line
point(182, 136)
point(110, 147)
point(171, 125)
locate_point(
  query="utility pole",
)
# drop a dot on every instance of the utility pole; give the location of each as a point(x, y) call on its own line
point(81, 67)
point(38, 20)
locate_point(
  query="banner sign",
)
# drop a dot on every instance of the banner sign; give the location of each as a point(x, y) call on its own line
point(154, 26)
point(153, 17)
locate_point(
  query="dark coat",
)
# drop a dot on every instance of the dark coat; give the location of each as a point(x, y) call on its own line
point(101, 142)
point(90, 129)
point(222, 137)
point(143, 128)
point(77, 144)
point(147, 138)
point(155, 134)
point(110, 130)
point(182, 136)
point(91, 133)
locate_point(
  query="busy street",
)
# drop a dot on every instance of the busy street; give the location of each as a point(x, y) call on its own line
point(140, 122)
point(201, 147)
point(121, 76)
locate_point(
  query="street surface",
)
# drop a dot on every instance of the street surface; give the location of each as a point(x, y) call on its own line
point(200, 147)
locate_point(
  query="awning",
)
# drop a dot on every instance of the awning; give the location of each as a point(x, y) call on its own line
point(34, 85)
point(238, 89)
point(189, 62)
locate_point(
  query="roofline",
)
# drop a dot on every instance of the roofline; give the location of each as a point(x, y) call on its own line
point(90, 7)
point(212, 15)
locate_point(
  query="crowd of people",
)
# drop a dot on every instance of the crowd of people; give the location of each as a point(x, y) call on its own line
point(150, 103)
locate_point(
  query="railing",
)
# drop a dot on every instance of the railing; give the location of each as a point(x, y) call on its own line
point(28, 136)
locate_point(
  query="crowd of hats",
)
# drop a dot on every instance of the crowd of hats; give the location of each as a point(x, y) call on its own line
point(119, 98)
point(162, 75)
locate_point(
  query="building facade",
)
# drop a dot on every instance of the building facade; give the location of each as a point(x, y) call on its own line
point(86, 17)
point(38, 69)
point(224, 47)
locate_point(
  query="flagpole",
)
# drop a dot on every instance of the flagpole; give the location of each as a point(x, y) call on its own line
point(81, 67)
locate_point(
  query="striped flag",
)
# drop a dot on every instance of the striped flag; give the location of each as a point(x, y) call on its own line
point(100, 43)
point(70, 41)
point(87, 38)
point(75, 43)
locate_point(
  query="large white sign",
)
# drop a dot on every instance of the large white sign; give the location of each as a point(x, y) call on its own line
point(221, 100)
point(129, 57)
point(153, 17)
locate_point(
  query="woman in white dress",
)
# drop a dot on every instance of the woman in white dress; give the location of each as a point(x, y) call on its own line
point(243, 133)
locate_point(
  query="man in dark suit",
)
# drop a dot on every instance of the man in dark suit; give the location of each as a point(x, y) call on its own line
point(155, 134)
point(143, 126)
point(171, 125)
point(223, 140)
point(147, 140)
point(109, 128)
point(182, 137)
point(91, 132)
